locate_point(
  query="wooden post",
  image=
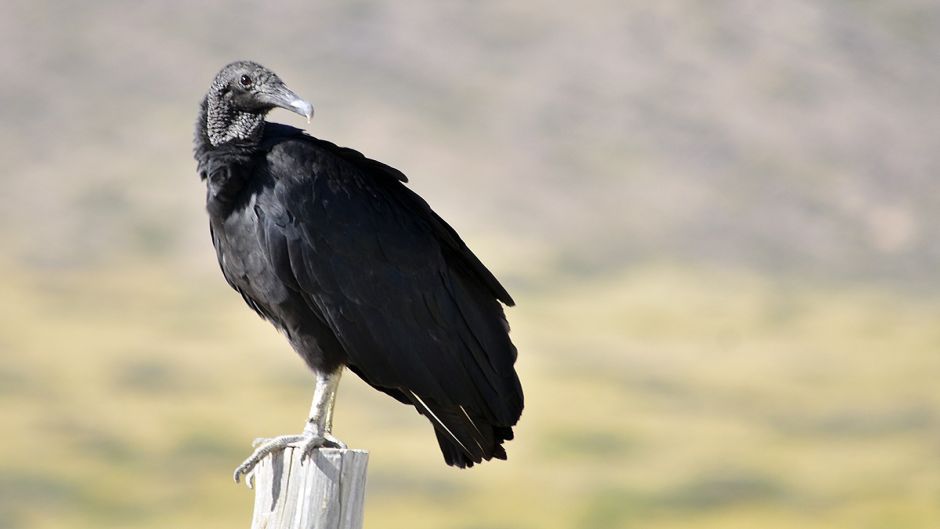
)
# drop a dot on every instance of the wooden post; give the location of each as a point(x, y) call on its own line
point(325, 492)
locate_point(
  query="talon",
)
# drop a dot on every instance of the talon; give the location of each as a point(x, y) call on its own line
point(312, 444)
point(332, 440)
point(241, 470)
point(263, 447)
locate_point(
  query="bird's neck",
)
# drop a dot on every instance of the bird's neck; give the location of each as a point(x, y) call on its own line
point(226, 124)
point(225, 165)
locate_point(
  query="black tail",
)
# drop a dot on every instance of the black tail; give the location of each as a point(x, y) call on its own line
point(465, 437)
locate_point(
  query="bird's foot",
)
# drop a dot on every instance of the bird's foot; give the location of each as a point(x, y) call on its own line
point(308, 441)
point(263, 447)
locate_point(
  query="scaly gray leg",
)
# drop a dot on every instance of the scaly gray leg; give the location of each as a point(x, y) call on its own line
point(316, 433)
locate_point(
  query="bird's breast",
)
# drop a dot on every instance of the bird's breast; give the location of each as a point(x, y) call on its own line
point(243, 258)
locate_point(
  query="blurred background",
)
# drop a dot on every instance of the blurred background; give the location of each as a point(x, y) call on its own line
point(720, 220)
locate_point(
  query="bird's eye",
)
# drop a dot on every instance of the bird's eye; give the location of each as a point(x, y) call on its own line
point(245, 81)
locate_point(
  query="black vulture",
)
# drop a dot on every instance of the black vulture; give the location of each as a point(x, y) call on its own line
point(356, 270)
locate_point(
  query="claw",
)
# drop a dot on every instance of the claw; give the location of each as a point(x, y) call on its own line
point(315, 441)
point(263, 447)
point(333, 440)
point(312, 444)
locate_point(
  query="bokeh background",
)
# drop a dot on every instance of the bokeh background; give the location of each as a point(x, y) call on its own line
point(720, 220)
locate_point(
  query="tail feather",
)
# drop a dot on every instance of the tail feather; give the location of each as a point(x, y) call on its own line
point(465, 437)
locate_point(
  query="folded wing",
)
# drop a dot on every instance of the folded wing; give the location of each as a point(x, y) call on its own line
point(418, 315)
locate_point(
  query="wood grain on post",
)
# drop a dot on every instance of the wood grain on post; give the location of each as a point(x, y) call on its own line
point(325, 492)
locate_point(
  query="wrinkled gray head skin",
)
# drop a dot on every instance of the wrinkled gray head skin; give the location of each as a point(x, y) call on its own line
point(240, 96)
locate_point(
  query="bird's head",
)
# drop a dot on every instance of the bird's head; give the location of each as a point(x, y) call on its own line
point(240, 96)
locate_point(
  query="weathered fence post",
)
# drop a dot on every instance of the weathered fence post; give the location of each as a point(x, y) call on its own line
point(325, 492)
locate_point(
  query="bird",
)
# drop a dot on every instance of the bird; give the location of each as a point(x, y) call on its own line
point(355, 270)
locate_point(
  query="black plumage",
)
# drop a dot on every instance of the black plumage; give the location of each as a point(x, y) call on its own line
point(354, 268)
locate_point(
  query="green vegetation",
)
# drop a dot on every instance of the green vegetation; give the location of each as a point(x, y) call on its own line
point(657, 397)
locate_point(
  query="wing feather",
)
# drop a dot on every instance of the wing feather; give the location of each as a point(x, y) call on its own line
point(416, 311)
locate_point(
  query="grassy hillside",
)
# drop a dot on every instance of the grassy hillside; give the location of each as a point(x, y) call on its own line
point(656, 397)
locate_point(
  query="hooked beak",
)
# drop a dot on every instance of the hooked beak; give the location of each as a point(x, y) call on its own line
point(284, 98)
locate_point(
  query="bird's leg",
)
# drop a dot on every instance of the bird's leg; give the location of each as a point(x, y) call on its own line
point(316, 433)
point(320, 421)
